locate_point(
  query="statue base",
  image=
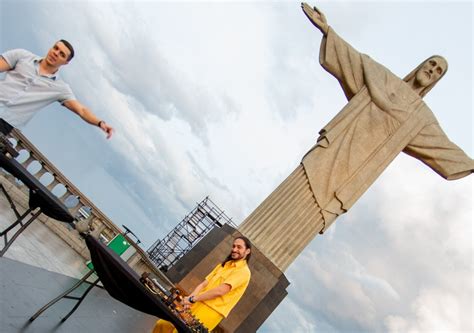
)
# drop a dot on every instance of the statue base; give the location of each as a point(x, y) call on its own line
point(267, 287)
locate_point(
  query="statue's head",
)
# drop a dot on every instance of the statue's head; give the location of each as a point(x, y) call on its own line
point(428, 73)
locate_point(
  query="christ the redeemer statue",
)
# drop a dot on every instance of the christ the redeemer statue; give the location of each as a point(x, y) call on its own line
point(385, 115)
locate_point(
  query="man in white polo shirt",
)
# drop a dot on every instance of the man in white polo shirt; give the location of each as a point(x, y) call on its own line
point(32, 82)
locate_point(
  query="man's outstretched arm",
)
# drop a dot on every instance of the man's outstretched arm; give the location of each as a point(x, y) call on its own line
point(4, 66)
point(88, 116)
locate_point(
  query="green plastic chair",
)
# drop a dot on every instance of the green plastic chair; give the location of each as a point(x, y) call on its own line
point(119, 244)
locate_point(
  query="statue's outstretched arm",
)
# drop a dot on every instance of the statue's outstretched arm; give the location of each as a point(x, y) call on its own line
point(432, 147)
point(337, 56)
point(316, 17)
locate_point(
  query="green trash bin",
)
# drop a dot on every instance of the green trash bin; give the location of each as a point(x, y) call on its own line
point(118, 244)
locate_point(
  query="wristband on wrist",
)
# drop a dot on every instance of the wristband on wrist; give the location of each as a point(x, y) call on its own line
point(100, 123)
point(191, 299)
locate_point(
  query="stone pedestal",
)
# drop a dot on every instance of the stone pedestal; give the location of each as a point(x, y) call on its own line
point(267, 286)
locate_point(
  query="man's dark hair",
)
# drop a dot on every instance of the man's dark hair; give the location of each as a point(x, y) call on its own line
point(248, 245)
point(70, 48)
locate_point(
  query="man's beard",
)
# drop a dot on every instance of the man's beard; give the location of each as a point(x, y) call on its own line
point(237, 258)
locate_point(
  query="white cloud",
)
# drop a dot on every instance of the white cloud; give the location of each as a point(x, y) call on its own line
point(434, 310)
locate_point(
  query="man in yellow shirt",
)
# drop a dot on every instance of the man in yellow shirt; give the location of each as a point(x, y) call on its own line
point(213, 299)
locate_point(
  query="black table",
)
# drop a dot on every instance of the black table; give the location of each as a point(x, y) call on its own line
point(123, 284)
point(40, 197)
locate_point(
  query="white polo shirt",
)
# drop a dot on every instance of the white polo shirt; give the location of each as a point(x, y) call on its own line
point(23, 91)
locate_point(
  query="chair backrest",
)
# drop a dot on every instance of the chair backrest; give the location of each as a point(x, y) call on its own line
point(118, 244)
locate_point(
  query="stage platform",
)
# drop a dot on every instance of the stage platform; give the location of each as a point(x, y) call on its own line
point(39, 266)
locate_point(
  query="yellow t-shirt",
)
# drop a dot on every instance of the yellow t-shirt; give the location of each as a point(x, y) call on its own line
point(234, 273)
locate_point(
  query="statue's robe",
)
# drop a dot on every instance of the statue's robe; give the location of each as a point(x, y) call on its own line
point(383, 117)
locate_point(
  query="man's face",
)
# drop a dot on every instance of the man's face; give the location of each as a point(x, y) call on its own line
point(58, 55)
point(239, 251)
point(431, 71)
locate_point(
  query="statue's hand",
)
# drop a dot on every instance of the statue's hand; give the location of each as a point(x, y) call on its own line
point(316, 17)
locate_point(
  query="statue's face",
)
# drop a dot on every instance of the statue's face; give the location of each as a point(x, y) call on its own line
point(431, 71)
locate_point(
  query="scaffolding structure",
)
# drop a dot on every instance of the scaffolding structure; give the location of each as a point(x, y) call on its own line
point(179, 241)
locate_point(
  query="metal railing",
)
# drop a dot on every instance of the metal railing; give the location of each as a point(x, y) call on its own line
point(54, 180)
point(77, 203)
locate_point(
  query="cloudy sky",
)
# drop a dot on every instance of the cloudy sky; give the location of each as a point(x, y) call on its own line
point(224, 98)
